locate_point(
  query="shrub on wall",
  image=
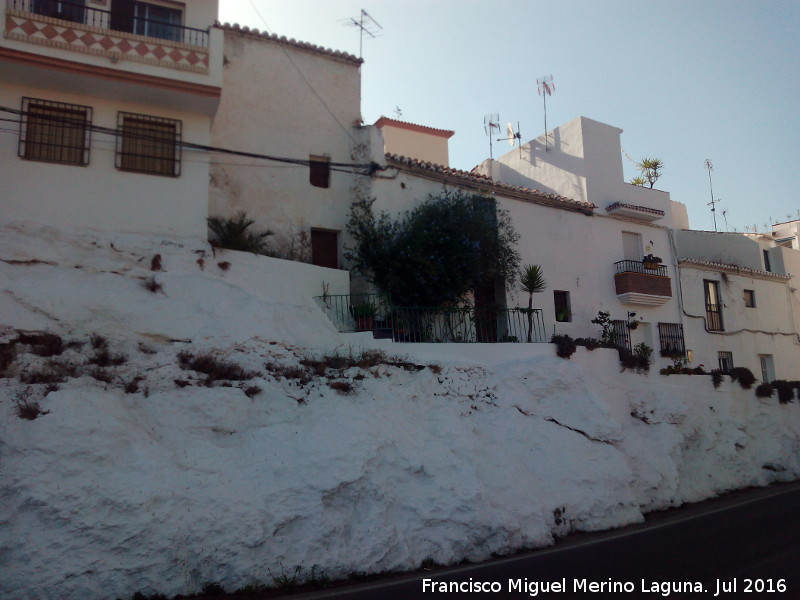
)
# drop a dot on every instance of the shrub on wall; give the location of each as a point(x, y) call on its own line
point(234, 233)
point(438, 252)
point(744, 376)
point(565, 345)
point(764, 390)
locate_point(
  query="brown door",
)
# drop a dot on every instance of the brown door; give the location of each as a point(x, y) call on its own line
point(325, 248)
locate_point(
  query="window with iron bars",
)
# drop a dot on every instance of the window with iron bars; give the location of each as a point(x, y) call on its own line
point(670, 337)
point(148, 144)
point(725, 361)
point(55, 132)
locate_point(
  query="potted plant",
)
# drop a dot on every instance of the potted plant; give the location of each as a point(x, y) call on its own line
point(651, 262)
point(364, 314)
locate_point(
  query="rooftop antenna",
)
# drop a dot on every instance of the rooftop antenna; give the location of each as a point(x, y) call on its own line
point(511, 137)
point(725, 216)
point(546, 87)
point(366, 24)
point(490, 123)
point(398, 112)
point(713, 202)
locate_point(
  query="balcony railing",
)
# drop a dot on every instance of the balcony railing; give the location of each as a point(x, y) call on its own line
point(714, 317)
point(125, 21)
point(371, 312)
point(636, 266)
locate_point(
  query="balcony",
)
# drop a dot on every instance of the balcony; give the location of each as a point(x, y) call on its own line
point(637, 284)
point(139, 32)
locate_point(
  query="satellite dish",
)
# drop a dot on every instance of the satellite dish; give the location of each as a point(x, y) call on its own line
point(511, 135)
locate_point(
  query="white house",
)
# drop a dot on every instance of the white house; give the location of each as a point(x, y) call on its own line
point(100, 98)
point(300, 105)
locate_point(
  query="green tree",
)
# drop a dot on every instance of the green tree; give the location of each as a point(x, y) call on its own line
point(531, 280)
point(436, 253)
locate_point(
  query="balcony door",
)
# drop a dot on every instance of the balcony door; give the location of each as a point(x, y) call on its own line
point(69, 11)
point(145, 18)
point(632, 246)
point(713, 306)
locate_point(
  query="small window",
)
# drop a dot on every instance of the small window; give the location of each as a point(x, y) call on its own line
point(767, 368)
point(725, 361)
point(325, 248)
point(55, 132)
point(767, 265)
point(670, 336)
point(749, 298)
point(158, 21)
point(562, 306)
point(713, 306)
point(320, 171)
point(148, 144)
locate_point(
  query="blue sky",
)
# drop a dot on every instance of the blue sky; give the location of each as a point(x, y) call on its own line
point(685, 81)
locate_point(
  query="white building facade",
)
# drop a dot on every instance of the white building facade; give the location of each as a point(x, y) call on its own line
point(100, 98)
point(299, 104)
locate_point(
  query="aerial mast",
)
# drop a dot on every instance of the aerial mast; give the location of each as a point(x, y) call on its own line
point(713, 202)
point(545, 86)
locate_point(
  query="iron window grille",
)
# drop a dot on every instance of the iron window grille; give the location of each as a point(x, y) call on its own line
point(725, 361)
point(148, 144)
point(714, 320)
point(621, 334)
point(670, 337)
point(55, 132)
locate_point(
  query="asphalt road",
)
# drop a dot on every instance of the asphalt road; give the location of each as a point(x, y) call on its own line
point(744, 545)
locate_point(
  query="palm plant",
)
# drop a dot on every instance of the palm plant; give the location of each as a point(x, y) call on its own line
point(531, 280)
point(651, 169)
point(232, 233)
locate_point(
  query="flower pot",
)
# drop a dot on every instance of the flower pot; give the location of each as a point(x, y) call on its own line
point(652, 266)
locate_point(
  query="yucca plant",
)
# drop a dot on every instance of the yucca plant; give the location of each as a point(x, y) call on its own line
point(233, 233)
point(531, 280)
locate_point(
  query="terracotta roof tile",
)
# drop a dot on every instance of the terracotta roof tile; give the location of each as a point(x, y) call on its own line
point(492, 185)
point(245, 30)
point(383, 121)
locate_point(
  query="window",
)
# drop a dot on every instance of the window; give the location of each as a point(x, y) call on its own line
point(148, 18)
point(749, 298)
point(670, 336)
point(158, 21)
point(767, 266)
point(148, 144)
point(767, 368)
point(69, 11)
point(713, 306)
point(55, 132)
point(325, 248)
point(562, 308)
point(320, 171)
point(725, 361)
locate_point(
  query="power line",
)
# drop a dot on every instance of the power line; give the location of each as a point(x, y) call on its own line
point(352, 168)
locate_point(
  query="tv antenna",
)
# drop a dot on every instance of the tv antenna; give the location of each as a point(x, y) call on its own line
point(511, 136)
point(490, 123)
point(725, 216)
point(545, 86)
point(366, 24)
point(398, 112)
point(713, 202)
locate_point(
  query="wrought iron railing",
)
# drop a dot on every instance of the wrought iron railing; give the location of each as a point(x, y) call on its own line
point(467, 324)
point(714, 317)
point(130, 22)
point(373, 312)
point(670, 337)
point(637, 266)
point(356, 312)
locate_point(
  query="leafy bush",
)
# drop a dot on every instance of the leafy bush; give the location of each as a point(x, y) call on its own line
point(565, 345)
point(54, 371)
point(764, 390)
point(744, 376)
point(438, 252)
point(343, 387)
point(104, 358)
point(43, 344)
point(234, 234)
point(785, 390)
point(638, 360)
point(716, 377)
